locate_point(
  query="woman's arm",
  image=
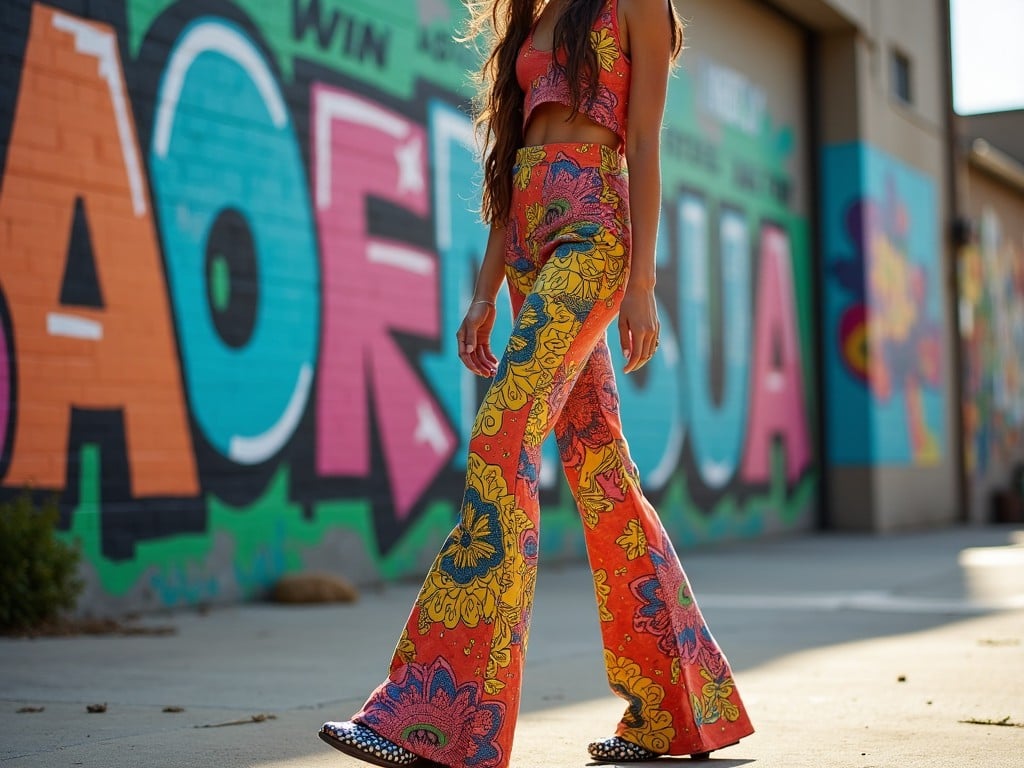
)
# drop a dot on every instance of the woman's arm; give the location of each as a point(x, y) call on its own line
point(474, 335)
point(646, 26)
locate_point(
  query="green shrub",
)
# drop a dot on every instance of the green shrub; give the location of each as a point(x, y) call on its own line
point(38, 572)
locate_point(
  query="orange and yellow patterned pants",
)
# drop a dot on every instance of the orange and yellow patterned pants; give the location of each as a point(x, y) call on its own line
point(452, 695)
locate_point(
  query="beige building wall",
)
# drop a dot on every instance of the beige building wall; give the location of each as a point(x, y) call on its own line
point(767, 50)
point(858, 111)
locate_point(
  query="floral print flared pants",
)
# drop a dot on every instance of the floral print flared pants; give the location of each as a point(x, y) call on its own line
point(452, 695)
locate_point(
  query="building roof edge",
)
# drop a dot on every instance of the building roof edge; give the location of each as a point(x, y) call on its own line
point(986, 157)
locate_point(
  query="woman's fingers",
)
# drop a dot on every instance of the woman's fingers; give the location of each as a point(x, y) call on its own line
point(487, 358)
point(484, 360)
point(639, 348)
point(474, 352)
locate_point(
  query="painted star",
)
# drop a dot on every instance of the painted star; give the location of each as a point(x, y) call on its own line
point(410, 166)
point(429, 429)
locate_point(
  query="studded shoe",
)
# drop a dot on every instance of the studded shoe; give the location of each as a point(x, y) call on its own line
point(362, 743)
point(616, 749)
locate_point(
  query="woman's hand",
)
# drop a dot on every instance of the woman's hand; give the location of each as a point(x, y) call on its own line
point(638, 327)
point(474, 337)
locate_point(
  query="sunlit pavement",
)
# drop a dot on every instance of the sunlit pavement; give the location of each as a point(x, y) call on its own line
point(848, 650)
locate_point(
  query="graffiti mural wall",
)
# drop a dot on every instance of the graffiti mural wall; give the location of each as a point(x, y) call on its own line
point(992, 335)
point(237, 239)
point(883, 310)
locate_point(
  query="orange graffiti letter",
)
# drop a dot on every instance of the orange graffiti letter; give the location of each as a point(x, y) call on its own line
point(80, 269)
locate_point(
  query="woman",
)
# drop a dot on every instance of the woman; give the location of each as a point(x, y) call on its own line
point(574, 234)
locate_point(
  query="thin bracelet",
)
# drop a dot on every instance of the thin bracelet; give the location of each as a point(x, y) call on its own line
point(483, 301)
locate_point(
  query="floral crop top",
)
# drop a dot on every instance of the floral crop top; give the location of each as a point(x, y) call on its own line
point(543, 79)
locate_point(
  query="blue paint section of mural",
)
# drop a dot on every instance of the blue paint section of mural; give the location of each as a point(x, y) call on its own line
point(235, 165)
point(883, 310)
point(718, 427)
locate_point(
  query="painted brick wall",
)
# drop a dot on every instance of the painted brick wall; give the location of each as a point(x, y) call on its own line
point(236, 239)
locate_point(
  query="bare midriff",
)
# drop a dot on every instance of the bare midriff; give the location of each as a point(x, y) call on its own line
point(554, 123)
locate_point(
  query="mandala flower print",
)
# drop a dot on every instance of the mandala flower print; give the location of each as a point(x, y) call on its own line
point(590, 258)
point(666, 610)
point(426, 709)
point(465, 586)
point(644, 723)
point(536, 350)
point(572, 193)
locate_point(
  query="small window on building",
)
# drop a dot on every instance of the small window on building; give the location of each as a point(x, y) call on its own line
point(901, 77)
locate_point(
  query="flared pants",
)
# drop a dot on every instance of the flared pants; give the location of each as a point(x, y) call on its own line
point(452, 695)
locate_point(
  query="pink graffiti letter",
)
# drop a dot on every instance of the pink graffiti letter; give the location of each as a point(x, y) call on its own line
point(373, 287)
point(777, 390)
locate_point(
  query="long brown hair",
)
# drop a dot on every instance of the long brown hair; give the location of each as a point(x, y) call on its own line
point(502, 27)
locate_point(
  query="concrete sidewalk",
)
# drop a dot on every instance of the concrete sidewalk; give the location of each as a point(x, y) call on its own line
point(849, 651)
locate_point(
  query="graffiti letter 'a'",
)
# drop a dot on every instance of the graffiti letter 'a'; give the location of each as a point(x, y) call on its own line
point(777, 398)
point(81, 271)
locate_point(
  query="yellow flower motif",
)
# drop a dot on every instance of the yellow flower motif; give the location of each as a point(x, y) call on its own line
point(492, 686)
point(729, 710)
point(611, 160)
point(593, 496)
point(646, 723)
point(602, 589)
point(534, 216)
point(633, 540)
point(613, 253)
point(538, 420)
point(406, 651)
point(585, 266)
point(447, 602)
point(607, 50)
point(609, 196)
point(716, 689)
point(527, 159)
point(476, 549)
point(714, 703)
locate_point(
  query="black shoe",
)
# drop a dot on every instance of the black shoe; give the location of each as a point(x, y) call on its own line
point(364, 744)
point(616, 749)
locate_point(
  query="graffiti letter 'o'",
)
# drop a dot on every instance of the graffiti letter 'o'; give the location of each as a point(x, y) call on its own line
point(223, 141)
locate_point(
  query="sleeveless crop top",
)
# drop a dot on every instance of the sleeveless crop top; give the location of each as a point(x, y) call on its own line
point(542, 76)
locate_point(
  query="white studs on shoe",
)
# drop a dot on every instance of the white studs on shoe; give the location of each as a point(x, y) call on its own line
point(616, 749)
point(361, 742)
